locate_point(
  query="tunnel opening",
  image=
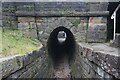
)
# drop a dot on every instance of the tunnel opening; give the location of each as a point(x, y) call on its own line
point(58, 51)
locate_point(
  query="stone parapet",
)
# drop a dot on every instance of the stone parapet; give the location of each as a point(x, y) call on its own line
point(31, 65)
point(96, 61)
point(116, 42)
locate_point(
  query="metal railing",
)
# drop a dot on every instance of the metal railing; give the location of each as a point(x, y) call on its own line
point(114, 17)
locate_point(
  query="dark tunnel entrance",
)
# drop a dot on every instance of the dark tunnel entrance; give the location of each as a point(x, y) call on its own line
point(56, 50)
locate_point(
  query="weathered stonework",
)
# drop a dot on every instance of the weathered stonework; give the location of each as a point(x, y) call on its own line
point(96, 61)
point(78, 30)
point(8, 15)
point(33, 65)
point(94, 31)
point(0, 13)
point(79, 17)
point(90, 61)
point(97, 6)
point(97, 29)
point(116, 42)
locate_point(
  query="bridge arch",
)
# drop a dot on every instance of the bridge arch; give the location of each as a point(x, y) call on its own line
point(57, 51)
point(53, 24)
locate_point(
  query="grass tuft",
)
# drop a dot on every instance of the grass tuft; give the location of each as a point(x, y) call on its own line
point(15, 42)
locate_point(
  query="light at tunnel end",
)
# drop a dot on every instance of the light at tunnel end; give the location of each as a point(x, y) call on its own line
point(61, 36)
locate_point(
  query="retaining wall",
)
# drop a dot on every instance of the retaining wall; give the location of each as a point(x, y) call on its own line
point(96, 61)
point(33, 65)
point(91, 61)
point(0, 13)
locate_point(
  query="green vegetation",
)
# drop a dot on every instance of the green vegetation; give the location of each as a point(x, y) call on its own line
point(15, 42)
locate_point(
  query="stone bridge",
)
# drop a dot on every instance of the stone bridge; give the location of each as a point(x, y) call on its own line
point(87, 54)
point(93, 60)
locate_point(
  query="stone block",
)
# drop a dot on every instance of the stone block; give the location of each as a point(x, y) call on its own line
point(11, 64)
point(31, 57)
point(116, 42)
point(8, 18)
point(16, 74)
point(97, 22)
point(23, 25)
point(26, 74)
point(113, 65)
point(43, 70)
point(27, 60)
point(33, 33)
point(94, 7)
point(96, 36)
point(86, 67)
point(102, 6)
point(33, 68)
point(98, 27)
point(80, 37)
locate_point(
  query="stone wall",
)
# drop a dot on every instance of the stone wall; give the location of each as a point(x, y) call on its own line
point(33, 65)
point(0, 13)
point(97, 29)
point(28, 25)
point(116, 42)
point(78, 26)
point(85, 29)
point(96, 61)
point(8, 15)
point(90, 61)
point(9, 8)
